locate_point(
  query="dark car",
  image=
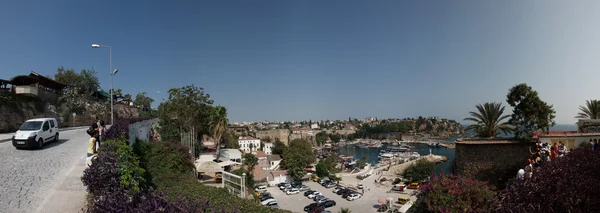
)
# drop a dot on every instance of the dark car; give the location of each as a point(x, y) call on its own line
point(306, 193)
point(310, 206)
point(325, 182)
point(327, 204)
point(265, 198)
point(316, 209)
point(340, 192)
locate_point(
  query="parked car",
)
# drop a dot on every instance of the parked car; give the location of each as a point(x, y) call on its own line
point(322, 200)
point(306, 193)
point(35, 133)
point(337, 189)
point(327, 204)
point(265, 198)
point(304, 188)
point(316, 209)
point(342, 191)
point(267, 201)
point(352, 197)
point(260, 188)
point(285, 185)
point(313, 195)
point(281, 184)
point(347, 193)
point(310, 206)
point(292, 191)
point(413, 186)
point(329, 185)
point(318, 197)
point(272, 203)
point(360, 186)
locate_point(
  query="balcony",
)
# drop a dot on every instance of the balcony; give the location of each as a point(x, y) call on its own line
point(30, 91)
point(33, 91)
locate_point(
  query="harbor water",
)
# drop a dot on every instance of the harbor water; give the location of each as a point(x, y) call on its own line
point(423, 149)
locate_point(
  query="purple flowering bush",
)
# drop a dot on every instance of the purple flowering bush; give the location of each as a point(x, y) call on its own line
point(567, 184)
point(451, 193)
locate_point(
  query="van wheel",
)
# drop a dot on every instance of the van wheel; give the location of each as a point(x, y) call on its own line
point(40, 143)
point(56, 137)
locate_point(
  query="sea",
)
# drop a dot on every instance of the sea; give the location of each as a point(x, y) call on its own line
point(424, 149)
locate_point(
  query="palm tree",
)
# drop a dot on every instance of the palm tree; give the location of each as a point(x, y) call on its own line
point(489, 120)
point(345, 210)
point(218, 125)
point(591, 110)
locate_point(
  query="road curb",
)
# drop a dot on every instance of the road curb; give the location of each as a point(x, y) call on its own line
point(62, 130)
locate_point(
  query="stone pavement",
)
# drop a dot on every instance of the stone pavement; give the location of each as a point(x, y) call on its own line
point(47, 179)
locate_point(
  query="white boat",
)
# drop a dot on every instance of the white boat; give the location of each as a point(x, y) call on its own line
point(415, 155)
point(386, 155)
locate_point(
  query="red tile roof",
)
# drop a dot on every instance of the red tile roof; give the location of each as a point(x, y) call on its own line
point(260, 154)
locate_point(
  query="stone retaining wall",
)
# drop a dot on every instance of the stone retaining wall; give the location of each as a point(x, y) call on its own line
point(492, 161)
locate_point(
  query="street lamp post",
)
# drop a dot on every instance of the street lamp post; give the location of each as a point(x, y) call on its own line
point(111, 77)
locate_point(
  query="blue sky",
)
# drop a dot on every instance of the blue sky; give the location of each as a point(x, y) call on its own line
point(300, 60)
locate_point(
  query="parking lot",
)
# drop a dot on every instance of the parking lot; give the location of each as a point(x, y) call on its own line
point(297, 202)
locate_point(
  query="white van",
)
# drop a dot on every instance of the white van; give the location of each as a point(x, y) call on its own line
point(36, 132)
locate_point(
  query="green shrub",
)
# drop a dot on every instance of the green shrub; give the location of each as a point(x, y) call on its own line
point(170, 167)
point(585, 145)
point(128, 165)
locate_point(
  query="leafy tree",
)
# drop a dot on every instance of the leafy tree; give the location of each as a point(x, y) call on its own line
point(187, 107)
point(361, 164)
point(250, 160)
point(419, 171)
point(450, 193)
point(321, 138)
point(335, 138)
point(218, 124)
point(530, 113)
point(571, 181)
point(332, 161)
point(249, 177)
point(85, 82)
point(230, 140)
point(322, 169)
point(488, 120)
point(297, 157)
point(141, 99)
point(279, 148)
point(75, 98)
point(591, 110)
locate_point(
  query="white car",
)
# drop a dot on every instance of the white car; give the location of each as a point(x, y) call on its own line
point(292, 191)
point(313, 195)
point(353, 197)
point(35, 133)
point(360, 186)
point(267, 201)
point(260, 189)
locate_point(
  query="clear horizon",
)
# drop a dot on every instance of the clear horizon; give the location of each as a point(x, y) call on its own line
point(292, 60)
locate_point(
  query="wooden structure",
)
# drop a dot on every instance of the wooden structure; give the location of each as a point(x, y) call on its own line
point(36, 85)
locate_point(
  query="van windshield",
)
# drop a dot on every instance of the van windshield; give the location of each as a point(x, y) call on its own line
point(31, 125)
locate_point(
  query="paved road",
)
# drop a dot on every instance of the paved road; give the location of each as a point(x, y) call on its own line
point(30, 180)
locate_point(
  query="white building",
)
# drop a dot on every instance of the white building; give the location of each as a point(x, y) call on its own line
point(314, 126)
point(248, 144)
point(268, 148)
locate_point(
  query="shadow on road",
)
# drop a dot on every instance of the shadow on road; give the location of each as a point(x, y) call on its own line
point(53, 144)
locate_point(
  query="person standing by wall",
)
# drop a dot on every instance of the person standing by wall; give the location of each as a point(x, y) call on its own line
point(92, 148)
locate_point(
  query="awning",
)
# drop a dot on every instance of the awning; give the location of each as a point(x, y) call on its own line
point(208, 166)
point(227, 163)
